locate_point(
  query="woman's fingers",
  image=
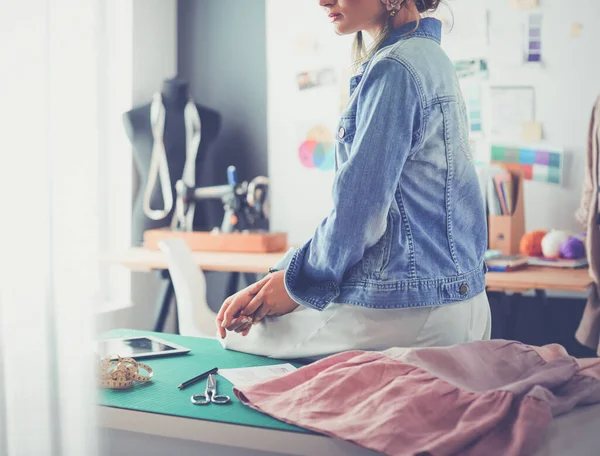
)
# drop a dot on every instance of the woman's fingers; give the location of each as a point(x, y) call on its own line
point(244, 327)
point(224, 306)
point(221, 316)
point(239, 302)
point(256, 287)
point(240, 322)
point(261, 313)
point(255, 302)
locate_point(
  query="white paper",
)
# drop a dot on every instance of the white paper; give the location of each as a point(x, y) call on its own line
point(508, 32)
point(511, 108)
point(248, 375)
point(465, 29)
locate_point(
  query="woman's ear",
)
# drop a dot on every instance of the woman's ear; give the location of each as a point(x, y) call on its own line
point(393, 5)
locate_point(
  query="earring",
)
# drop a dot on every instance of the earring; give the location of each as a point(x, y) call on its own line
point(393, 6)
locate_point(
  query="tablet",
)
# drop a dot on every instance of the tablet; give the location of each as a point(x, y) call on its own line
point(138, 347)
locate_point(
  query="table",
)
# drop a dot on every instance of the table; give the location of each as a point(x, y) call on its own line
point(136, 417)
point(531, 278)
point(539, 278)
point(156, 419)
point(145, 260)
point(140, 259)
point(513, 284)
point(536, 278)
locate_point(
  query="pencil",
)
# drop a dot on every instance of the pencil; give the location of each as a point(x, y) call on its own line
point(196, 379)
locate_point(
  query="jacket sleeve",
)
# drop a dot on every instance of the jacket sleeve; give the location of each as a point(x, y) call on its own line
point(389, 112)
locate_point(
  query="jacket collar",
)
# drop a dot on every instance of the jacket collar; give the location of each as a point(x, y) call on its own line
point(428, 27)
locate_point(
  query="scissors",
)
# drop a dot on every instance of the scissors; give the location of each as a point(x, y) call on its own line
point(210, 394)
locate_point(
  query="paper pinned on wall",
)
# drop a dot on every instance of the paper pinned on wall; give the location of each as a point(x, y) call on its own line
point(525, 5)
point(465, 29)
point(576, 30)
point(471, 73)
point(507, 34)
point(472, 68)
point(472, 93)
point(311, 79)
point(317, 147)
point(511, 108)
point(533, 53)
point(537, 162)
point(480, 150)
point(531, 132)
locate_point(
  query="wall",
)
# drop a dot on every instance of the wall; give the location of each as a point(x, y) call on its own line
point(154, 58)
point(222, 53)
point(566, 88)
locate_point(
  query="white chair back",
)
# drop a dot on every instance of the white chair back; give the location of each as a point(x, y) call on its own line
point(195, 317)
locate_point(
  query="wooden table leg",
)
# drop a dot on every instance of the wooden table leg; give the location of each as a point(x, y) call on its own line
point(512, 303)
point(164, 302)
point(233, 284)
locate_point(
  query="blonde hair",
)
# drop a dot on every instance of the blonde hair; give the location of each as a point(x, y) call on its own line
point(360, 52)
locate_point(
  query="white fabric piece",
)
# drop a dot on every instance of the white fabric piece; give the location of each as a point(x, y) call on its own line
point(308, 333)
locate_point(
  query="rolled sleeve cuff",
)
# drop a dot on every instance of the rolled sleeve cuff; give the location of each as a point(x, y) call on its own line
point(304, 291)
point(284, 261)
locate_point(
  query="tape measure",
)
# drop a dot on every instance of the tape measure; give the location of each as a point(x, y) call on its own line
point(121, 374)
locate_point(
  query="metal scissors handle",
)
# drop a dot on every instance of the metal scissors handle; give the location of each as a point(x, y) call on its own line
point(210, 394)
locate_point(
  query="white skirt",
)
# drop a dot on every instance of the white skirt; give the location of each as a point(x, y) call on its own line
point(308, 333)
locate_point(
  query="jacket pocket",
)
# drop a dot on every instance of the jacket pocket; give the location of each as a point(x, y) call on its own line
point(346, 129)
point(377, 258)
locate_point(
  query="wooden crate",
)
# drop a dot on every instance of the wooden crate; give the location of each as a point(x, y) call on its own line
point(204, 241)
point(505, 231)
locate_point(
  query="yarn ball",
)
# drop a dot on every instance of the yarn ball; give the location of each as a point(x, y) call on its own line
point(572, 248)
point(552, 241)
point(531, 243)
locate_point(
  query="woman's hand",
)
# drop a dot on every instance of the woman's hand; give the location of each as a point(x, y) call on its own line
point(228, 316)
point(267, 297)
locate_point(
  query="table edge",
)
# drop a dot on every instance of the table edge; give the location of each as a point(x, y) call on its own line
point(213, 432)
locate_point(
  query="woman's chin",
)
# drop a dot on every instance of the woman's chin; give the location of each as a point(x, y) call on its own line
point(341, 30)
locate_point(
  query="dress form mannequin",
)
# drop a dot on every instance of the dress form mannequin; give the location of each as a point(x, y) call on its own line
point(175, 96)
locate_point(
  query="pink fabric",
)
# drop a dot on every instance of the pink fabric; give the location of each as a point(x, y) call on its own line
point(492, 398)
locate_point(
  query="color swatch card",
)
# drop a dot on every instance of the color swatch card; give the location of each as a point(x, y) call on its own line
point(537, 164)
point(534, 41)
point(472, 93)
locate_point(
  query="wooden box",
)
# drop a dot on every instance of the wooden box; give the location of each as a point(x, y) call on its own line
point(505, 231)
point(204, 241)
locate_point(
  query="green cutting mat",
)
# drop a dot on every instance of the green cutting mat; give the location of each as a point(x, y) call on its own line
point(162, 396)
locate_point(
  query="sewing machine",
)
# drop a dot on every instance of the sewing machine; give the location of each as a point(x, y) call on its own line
point(246, 215)
point(245, 204)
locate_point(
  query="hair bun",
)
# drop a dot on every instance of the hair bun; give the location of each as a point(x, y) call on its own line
point(427, 5)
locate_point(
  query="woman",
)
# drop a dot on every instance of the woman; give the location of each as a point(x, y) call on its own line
point(399, 261)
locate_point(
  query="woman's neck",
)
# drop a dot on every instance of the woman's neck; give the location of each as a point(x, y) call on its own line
point(405, 15)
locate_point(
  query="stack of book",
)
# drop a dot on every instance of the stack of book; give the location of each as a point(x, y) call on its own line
point(501, 193)
point(506, 263)
point(558, 262)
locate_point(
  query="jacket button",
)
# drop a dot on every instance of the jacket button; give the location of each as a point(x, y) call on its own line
point(464, 289)
point(341, 133)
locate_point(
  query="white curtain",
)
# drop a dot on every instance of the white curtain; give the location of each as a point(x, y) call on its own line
point(52, 116)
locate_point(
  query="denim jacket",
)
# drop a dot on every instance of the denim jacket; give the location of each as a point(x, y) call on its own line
point(408, 228)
